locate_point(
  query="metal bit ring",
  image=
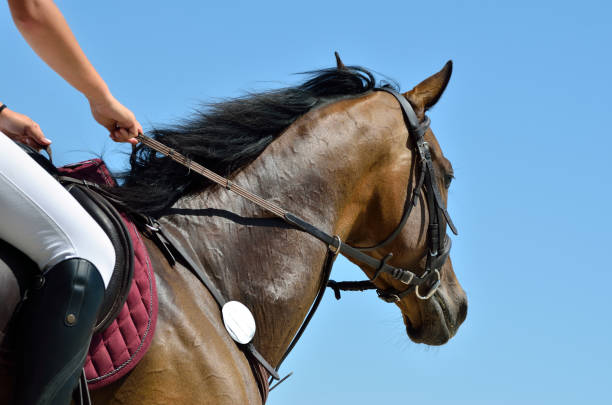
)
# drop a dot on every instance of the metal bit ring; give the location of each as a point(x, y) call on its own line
point(432, 291)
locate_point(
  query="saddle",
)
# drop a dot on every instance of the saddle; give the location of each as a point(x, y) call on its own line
point(79, 179)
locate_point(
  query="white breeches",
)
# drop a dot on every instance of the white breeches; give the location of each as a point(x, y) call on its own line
point(40, 218)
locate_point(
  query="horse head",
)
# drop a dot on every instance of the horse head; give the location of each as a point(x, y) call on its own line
point(383, 197)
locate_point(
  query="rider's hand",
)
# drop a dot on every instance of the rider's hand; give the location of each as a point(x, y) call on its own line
point(120, 122)
point(22, 129)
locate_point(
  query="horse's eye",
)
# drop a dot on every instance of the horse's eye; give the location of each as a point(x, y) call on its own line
point(448, 178)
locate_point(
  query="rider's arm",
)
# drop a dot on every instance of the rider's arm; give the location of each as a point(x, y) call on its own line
point(45, 29)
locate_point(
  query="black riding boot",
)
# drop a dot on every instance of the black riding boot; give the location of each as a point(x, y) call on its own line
point(55, 328)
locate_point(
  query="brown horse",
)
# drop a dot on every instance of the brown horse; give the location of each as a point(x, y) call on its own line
point(344, 162)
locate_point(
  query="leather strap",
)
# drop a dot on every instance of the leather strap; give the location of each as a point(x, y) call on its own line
point(330, 258)
point(81, 392)
point(405, 276)
point(170, 241)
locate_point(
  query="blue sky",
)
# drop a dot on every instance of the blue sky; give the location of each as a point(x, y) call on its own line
point(525, 121)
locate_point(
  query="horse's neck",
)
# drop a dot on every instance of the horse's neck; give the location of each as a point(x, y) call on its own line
point(312, 171)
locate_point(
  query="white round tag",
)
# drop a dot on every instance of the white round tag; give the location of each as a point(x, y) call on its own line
point(238, 321)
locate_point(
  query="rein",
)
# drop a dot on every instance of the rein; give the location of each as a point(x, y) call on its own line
point(439, 243)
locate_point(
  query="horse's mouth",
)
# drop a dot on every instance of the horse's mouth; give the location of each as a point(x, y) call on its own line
point(437, 325)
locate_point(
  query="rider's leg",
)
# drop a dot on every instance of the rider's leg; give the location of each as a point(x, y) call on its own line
point(39, 217)
point(56, 322)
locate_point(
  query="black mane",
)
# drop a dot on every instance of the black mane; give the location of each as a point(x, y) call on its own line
point(227, 136)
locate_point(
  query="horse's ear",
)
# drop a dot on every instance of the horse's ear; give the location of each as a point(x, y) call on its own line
point(339, 63)
point(427, 93)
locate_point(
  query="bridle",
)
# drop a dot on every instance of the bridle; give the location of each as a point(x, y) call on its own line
point(439, 243)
